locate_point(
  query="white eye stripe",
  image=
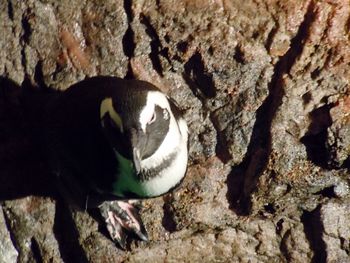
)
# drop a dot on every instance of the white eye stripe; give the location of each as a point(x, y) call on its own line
point(153, 98)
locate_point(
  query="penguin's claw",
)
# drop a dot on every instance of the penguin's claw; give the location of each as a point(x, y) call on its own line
point(115, 230)
point(121, 216)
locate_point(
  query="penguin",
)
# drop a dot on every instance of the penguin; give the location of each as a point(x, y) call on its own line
point(111, 141)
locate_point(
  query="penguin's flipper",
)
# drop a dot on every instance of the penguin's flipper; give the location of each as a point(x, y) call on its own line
point(121, 216)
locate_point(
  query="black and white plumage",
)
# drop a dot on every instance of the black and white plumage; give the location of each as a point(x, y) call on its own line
point(116, 139)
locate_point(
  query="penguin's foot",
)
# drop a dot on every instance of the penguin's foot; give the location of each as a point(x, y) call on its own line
point(121, 216)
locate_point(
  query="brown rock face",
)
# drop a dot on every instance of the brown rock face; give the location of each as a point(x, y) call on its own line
point(265, 90)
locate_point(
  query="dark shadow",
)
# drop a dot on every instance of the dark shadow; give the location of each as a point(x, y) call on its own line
point(346, 163)
point(327, 192)
point(67, 235)
point(36, 250)
point(316, 138)
point(238, 202)
point(128, 38)
point(313, 229)
point(168, 220)
point(198, 79)
point(23, 170)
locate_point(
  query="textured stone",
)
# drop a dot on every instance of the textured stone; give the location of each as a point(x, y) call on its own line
point(293, 244)
point(31, 222)
point(335, 219)
point(8, 251)
point(264, 88)
point(227, 245)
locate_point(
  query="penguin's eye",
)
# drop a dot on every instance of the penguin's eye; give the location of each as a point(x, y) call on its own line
point(153, 118)
point(165, 114)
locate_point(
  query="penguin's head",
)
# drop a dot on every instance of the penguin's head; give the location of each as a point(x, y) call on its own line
point(145, 127)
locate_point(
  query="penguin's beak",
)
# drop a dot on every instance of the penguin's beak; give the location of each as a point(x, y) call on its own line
point(137, 160)
point(138, 144)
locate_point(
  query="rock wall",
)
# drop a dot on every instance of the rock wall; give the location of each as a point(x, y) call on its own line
point(264, 87)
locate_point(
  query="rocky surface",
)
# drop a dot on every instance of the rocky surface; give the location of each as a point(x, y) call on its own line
point(264, 87)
